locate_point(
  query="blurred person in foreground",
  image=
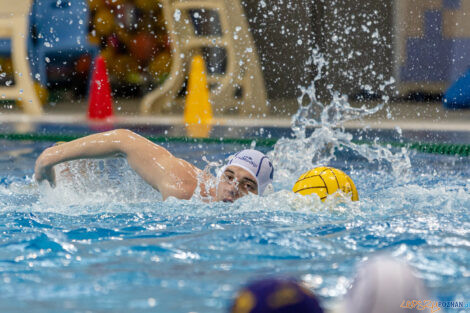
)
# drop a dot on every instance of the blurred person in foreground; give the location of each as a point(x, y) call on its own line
point(385, 285)
point(248, 171)
point(275, 296)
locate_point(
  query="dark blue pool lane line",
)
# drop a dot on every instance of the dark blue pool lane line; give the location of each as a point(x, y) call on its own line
point(441, 142)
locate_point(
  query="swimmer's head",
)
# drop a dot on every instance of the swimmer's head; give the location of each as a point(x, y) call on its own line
point(381, 285)
point(275, 295)
point(247, 171)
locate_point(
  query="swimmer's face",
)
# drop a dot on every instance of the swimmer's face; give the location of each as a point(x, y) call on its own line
point(235, 183)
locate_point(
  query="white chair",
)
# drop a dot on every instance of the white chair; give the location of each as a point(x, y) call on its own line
point(242, 74)
point(14, 19)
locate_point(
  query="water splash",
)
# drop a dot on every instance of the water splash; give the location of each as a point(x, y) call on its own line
point(88, 182)
point(302, 152)
point(206, 180)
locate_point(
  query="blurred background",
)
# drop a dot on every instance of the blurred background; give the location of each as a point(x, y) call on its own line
point(419, 47)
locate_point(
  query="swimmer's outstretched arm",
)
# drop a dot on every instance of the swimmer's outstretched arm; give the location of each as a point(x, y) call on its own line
point(156, 165)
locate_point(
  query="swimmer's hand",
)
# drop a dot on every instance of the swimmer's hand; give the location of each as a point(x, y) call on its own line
point(43, 171)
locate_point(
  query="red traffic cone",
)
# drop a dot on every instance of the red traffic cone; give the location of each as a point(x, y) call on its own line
point(100, 105)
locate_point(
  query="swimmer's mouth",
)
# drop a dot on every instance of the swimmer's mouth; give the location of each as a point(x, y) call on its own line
point(228, 200)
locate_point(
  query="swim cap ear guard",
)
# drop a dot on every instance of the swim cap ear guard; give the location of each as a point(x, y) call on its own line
point(257, 163)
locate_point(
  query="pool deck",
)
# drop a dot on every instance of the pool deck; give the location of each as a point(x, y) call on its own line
point(405, 115)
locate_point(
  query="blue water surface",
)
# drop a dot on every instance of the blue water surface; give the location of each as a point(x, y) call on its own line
point(135, 253)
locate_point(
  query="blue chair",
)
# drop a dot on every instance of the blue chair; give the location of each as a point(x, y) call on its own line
point(60, 32)
point(458, 94)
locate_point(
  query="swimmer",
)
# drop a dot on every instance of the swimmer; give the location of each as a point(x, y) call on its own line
point(384, 285)
point(275, 295)
point(248, 171)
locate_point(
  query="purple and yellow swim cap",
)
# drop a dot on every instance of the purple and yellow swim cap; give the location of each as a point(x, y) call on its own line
point(275, 296)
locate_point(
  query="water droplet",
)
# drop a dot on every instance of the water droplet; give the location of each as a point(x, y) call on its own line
point(177, 15)
point(151, 302)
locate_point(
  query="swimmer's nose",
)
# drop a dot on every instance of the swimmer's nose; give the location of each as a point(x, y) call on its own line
point(233, 189)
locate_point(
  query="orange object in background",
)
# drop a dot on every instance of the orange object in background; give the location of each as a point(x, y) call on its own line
point(104, 22)
point(133, 40)
point(100, 103)
point(83, 64)
point(143, 46)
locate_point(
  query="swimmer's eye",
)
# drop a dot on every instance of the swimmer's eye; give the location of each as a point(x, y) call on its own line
point(228, 176)
point(250, 187)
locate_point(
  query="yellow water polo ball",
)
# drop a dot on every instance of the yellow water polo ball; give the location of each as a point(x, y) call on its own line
point(325, 181)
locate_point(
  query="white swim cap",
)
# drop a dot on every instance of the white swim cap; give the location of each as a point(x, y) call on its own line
point(257, 164)
point(381, 285)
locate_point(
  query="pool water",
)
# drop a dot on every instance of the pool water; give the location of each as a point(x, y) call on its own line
point(104, 242)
